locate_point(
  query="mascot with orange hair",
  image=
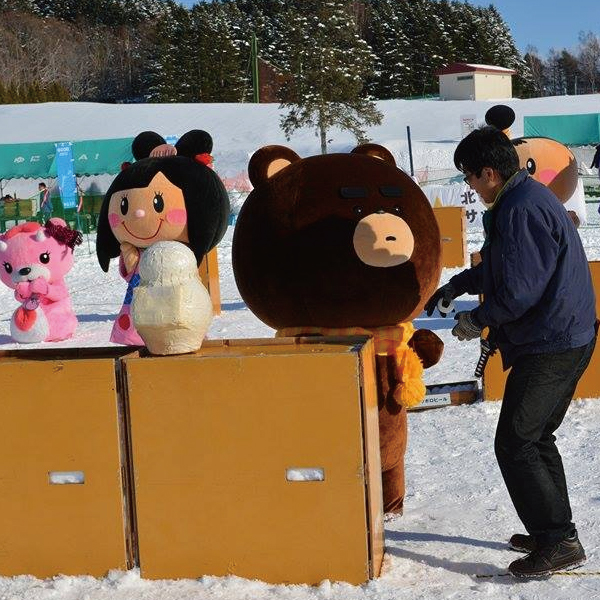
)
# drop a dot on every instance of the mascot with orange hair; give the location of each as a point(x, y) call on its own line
point(548, 161)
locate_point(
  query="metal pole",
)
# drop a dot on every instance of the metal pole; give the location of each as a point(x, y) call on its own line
point(410, 156)
point(254, 67)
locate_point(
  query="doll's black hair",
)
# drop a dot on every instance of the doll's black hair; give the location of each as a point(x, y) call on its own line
point(205, 197)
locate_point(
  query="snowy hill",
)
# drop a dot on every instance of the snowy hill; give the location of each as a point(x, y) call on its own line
point(239, 129)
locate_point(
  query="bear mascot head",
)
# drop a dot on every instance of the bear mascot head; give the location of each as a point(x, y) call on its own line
point(345, 244)
point(170, 194)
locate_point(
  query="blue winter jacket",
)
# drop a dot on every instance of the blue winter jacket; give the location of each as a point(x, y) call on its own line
point(534, 276)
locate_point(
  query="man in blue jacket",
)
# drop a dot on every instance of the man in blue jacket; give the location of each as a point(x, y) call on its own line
point(539, 305)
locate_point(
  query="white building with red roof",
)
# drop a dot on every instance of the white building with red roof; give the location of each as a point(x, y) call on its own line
point(467, 81)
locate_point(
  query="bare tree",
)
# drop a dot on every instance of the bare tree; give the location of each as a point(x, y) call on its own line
point(589, 58)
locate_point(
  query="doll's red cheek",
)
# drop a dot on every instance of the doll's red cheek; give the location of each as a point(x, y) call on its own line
point(177, 216)
point(114, 219)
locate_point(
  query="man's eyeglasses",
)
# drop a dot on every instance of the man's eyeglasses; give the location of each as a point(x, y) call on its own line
point(469, 175)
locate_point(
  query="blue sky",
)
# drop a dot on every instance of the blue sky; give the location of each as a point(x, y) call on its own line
point(547, 24)
point(541, 23)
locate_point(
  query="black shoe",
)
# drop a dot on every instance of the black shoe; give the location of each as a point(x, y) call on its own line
point(521, 542)
point(564, 555)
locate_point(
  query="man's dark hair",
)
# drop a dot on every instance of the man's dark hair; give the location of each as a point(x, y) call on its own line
point(487, 147)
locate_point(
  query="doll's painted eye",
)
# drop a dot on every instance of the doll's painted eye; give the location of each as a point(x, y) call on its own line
point(45, 258)
point(8, 267)
point(358, 210)
point(396, 210)
point(124, 205)
point(530, 166)
point(158, 203)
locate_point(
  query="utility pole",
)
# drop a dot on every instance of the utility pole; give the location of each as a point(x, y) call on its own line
point(410, 156)
point(254, 67)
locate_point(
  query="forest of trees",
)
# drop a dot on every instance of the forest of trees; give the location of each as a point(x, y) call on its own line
point(159, 51)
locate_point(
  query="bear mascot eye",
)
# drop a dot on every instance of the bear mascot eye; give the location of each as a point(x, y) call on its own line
point(8, 267)
point(45, 258)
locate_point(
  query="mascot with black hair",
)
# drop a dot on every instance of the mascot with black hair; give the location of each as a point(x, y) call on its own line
point(170, 193)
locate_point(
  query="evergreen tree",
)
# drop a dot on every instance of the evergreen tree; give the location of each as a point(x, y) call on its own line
point(113, 13)
point(391, 46)
point(16, 5)
point(499, 49)
point(536, 68)
point(167, 77)
point(13, 94)
point(55, 92)
point(217, 76)
point(330, 63)
point(571, 75)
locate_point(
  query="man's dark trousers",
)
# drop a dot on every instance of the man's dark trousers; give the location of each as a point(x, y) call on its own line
point(538, 391)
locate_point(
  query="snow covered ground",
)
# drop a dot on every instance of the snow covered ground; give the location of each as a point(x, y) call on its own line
point(457, 517)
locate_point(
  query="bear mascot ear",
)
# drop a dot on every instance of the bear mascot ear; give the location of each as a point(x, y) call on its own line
point(501, 117)
point(144, 143)
point(376, 151)
point(267, 161)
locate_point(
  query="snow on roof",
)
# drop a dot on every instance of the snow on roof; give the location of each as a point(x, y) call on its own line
point(473, 68)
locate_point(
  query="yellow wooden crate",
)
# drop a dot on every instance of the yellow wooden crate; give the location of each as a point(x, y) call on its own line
point(62, 464)
point(494, 378)
point(219, 440)
point(453, 231)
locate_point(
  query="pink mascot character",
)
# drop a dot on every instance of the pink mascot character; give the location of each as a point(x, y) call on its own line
point(34, 260)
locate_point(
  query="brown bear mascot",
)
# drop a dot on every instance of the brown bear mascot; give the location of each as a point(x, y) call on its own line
point(345, 244)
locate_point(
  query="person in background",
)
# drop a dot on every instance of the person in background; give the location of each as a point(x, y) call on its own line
point(539, 306)
point(45, 201)
point(596, 164)
point(596, 160)
point(8, 198)
point(80, 195)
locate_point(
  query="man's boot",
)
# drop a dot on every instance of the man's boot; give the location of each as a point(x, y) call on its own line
point(564, 555)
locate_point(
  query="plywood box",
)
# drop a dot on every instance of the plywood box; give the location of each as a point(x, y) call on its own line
point(62, 476)
point(494, 378)
point(258, 458)
point(453, 231)
point(209, 275)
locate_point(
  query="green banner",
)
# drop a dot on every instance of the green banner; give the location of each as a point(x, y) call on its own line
point(26, 160)
point(38, 160)
point(572, 130)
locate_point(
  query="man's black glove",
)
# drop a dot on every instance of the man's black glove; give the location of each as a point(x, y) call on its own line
point(446, 294)
point(466, 327)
